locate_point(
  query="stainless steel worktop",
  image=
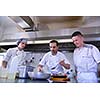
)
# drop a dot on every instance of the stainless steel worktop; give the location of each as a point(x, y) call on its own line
point(2, 80)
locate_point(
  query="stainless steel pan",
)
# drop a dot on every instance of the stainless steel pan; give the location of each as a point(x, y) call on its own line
point(40, 75)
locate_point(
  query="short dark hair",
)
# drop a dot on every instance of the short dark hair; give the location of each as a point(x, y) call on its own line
point(54, 41)
point(76, 33)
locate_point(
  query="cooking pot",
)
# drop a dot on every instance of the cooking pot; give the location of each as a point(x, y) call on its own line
point(39, 75)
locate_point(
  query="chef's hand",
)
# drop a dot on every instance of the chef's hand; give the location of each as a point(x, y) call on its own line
point(62, 63)
point(40, 68)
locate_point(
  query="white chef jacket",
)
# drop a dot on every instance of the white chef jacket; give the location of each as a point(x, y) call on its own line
point(86, 60)
point(11, 55)
point(52, 62)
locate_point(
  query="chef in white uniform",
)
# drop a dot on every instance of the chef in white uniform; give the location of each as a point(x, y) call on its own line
point(54, 59)
point(86, 59)
point(15, 57)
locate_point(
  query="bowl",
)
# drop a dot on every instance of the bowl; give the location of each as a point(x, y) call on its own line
point(31, 75)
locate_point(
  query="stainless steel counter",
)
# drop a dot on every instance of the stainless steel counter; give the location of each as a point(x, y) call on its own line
point(28, 80)
point(2, 80)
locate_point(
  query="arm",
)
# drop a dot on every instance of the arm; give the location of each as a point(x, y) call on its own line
point(6, 58)
point(42, 63)
point(64, 61)
point(66, 65)
point(96, 54)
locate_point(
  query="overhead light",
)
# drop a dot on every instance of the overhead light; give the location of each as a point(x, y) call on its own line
point(22, 21)
point(7, 43)
point(23, 24)
point(41, 41)
point(47, 41)
point(64, 40)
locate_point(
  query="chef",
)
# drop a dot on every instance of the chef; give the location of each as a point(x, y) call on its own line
point(54, 59)
point(86, 59)
point(15, 57)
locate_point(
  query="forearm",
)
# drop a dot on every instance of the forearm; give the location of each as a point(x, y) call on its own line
point(67, 66)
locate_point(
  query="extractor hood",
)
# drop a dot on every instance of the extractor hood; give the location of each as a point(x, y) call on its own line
point(62, 35)
point(47, 27)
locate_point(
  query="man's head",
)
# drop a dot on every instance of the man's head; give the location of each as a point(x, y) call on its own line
point(78, 39)
point(21, 43)
point(53, 44)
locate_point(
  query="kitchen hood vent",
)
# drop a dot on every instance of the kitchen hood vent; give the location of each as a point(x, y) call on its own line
point(63, 35)
point(25, 22)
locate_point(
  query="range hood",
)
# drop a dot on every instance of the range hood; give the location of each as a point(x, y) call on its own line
point(24, 22)
point(62, 35)
point(41, 29)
